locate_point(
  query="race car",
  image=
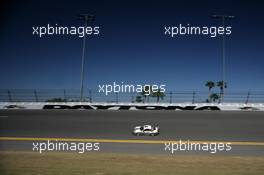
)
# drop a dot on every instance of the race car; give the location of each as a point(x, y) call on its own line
point(146, 130)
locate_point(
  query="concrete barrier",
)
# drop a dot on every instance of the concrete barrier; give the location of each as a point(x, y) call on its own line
point(134, 106)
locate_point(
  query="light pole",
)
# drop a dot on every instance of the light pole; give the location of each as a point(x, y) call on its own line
point(223, 18)
point(86, 18)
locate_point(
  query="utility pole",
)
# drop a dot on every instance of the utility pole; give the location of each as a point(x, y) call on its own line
point(223, 18)
point(86, 18)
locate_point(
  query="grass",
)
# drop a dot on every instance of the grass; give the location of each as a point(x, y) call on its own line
point(13, 163)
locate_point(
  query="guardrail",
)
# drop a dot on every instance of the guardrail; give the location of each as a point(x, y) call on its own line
point(73, 95)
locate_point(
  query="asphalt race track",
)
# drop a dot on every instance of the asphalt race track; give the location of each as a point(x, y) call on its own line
point(108, 126)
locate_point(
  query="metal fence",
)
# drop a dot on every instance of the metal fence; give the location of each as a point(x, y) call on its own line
point(73, 95)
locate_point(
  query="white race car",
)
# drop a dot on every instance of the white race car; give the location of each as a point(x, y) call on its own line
point(146, 130)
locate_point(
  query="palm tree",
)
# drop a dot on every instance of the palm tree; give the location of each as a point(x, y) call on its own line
point(138, 99)
point(210, 85)
point(159, 95)
point(221, 85)
point(146, 92)
point(214, 97)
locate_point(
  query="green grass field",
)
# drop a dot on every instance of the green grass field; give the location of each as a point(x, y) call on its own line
point(13, 163)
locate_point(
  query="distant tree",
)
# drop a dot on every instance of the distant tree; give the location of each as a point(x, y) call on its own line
point(210, 85)
point(146, 92)
point(138, 99)
point(214, 97)
point(221, 85)
point(159, 95)
point(56, 100)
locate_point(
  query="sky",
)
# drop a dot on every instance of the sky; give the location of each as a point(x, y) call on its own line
point(131, 46)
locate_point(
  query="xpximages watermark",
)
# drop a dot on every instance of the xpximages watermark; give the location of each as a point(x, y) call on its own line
point(130, 88)
point(211, 147)
point(79, 147)
point(212, 31)
point(80, 31)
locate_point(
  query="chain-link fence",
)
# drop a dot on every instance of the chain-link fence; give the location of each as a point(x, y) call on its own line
point(73, 95)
